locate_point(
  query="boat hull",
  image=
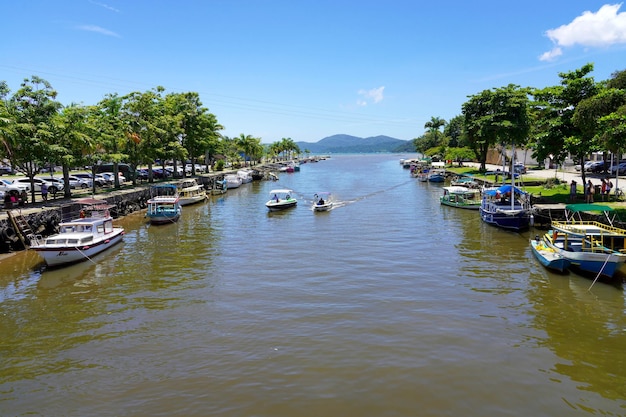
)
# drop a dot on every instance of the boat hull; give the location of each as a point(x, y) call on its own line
point(322, 207)
point(596, 263)
point(57, 256)
point(164, 218)
point(185, 201)
point(510, 220)
point(274, 206)
point(548, 257)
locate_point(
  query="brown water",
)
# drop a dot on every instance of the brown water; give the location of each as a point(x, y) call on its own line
point(389, 305)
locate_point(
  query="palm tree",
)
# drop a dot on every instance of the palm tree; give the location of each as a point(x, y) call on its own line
point(434, 124)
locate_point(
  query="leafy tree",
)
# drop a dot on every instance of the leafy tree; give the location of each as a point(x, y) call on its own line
point(75, 143)
point(27, 130)
point(112, 132)
point(554, 109)
point(497, 116)
point(453, 130)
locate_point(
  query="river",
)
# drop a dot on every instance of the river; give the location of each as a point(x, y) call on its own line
point(388, 305)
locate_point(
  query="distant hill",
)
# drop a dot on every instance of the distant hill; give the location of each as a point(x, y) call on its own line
point(353, 144)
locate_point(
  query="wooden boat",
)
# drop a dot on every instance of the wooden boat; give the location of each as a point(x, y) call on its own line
point(281, 200)
point(323, 201)
point(190, 192)
point(591, 246)
point(164, 206)
point(461, 197)
point(82, 238)
point(507, 207)
point(547, 256)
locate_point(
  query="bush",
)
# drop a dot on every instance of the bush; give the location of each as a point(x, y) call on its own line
point(219, 165)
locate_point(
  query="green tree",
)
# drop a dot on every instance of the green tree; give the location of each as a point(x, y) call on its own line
point(27, 130)
point(497, 116)
point(554, 110)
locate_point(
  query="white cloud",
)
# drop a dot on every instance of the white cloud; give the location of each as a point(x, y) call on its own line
point(98, 29)
point(374, 95)
point(551, 55)
point(106, 6)
point(604, 28)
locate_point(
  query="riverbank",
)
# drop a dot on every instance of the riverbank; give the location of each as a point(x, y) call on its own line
point(43, 217)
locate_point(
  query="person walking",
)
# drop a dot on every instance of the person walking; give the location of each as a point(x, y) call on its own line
point(44, 192)
point(609, 186)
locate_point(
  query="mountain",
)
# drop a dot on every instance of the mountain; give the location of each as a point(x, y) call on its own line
point(353, 144)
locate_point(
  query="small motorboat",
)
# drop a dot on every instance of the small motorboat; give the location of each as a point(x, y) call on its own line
point(323, 202)
point(281, 200)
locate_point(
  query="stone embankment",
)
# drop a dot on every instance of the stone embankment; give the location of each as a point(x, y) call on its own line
point(43, 218)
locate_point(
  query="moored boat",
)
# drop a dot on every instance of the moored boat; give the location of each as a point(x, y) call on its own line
point(591, 246)
point(507, 207)
point(219, 187)
point(232, 181)
point(164, 206)
point(281, 200)
point(190, 192)
point(547, 256)
point(82, 238)
point(461, 197)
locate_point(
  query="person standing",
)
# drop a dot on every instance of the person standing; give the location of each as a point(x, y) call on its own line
point(603, 189)
point(44, 192)
point(589, 192)
point(572, 191)
point(609, 186)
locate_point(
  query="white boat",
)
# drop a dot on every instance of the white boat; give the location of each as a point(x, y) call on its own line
point(232, 181)
point(281, 200)
point(82, 238)
point(245, 176)
point(323, 201)
point(164, 206)
point(190, 192)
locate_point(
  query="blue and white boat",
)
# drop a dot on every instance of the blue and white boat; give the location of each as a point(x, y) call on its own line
point(507, 207)
point(164, 206)
point(547, 256)
point(591, 246)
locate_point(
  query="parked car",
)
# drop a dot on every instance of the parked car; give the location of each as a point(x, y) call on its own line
point(142, 174)
point(160, 173)
point(79, 182)
point(110, 177)
point(53, 187)
point(619, 169)
point(6, 170)
point(98, 179)
point(519, 168)
point(598, 166)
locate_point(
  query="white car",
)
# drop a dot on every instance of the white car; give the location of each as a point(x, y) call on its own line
point(77, 182)
point(110, 177)
point(53, 187)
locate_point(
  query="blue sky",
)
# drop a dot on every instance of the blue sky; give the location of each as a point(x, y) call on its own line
point(305, 69)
